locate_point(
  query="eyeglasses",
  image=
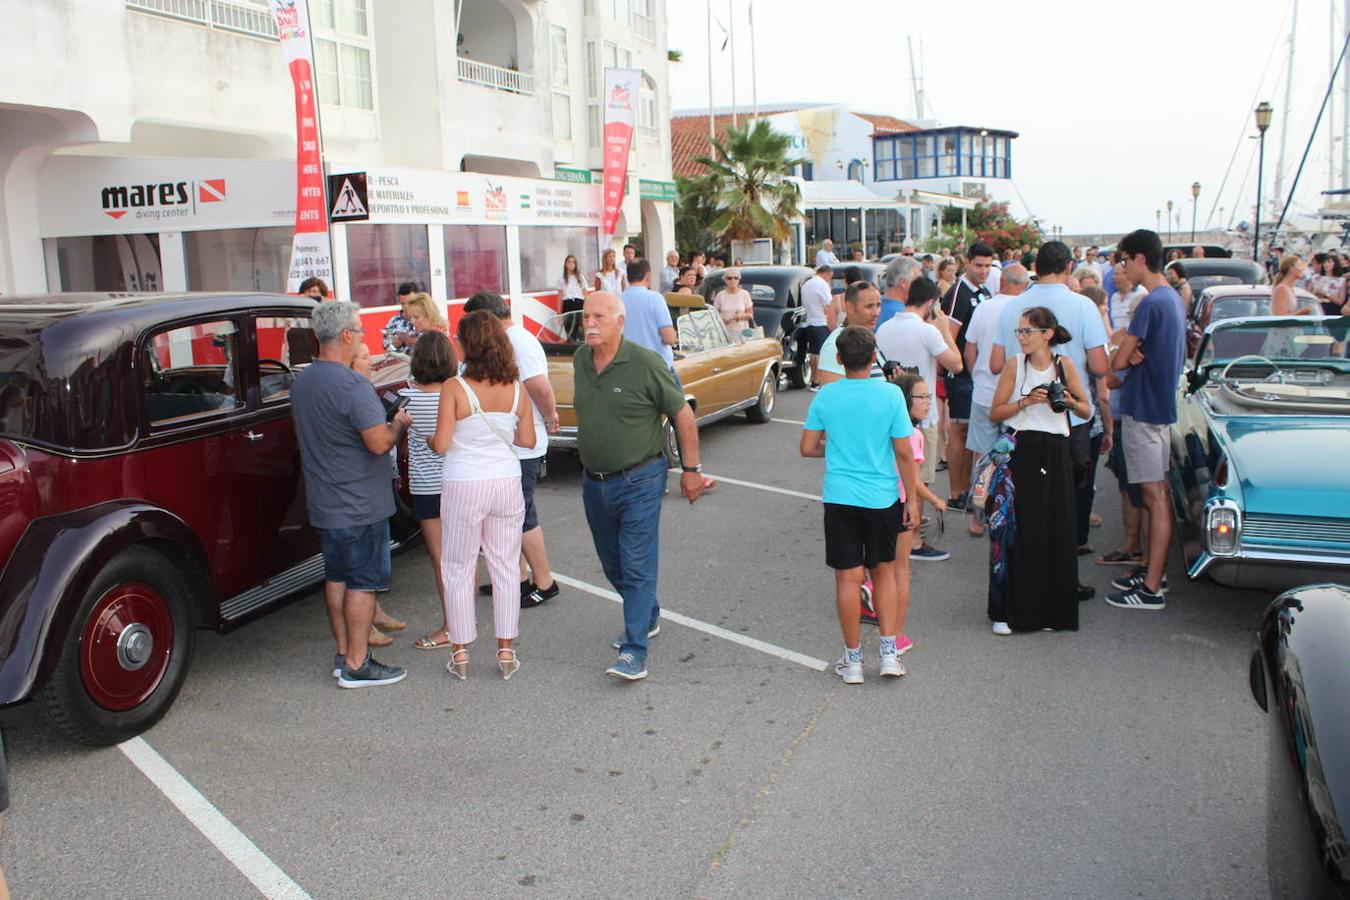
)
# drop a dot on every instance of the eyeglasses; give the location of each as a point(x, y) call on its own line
point(921, 396)
point(355, 330)
point(1027, 332)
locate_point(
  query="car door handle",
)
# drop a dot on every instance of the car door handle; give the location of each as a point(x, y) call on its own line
point(253, 436)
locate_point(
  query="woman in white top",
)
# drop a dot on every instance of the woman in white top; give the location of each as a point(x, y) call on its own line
point(433, 363)
point(483, 417)
point(608, 277)
point(734, 304)
point(572, 286)
point(1042, 590)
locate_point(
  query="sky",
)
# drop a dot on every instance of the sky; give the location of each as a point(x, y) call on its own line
point(1118, 111)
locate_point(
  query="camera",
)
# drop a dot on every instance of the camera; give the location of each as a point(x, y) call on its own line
point(891, 368)
point(1054, 393)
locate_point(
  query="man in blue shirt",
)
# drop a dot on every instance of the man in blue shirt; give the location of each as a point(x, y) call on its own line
point(868, 431)
point(647, 317)
point(1153, 350)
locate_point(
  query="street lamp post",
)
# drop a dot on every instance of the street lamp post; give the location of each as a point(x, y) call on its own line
point(1169, 221)
point(1264, 111)
point(1195, 206)
point(1157, 215)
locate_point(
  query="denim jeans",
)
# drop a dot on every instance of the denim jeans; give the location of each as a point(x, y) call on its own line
point(624, 514)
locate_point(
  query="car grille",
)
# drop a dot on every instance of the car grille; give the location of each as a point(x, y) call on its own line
point(1258, 528)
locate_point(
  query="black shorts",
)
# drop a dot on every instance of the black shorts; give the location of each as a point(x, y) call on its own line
point(858, 536)
point(529, 476)
point(426, 506)
point(813, 337)
point(959, 390)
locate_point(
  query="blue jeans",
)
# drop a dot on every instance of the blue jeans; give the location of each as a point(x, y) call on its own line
point(624, 514)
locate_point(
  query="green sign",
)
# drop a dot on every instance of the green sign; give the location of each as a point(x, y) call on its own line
point(579, 176)
point(656, 190)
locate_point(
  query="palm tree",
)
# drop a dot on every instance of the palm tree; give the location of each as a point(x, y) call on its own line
point(748, 171)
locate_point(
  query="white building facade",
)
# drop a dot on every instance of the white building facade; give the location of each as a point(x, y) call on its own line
point(150, 144)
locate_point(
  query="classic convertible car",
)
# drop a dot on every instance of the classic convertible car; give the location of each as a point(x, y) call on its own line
point(1263, 431)
point(149, 485)
point(1300, 677)
point(720, 378)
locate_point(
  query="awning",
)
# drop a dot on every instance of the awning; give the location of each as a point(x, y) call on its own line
point(933, 198)
point(844, 194)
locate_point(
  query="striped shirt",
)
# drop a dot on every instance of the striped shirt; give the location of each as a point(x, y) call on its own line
point(424, 466)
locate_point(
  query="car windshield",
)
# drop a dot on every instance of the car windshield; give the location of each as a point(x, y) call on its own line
point(1200, 282)
point(1304, 339)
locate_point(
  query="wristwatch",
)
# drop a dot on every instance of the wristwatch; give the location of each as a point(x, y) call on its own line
point(698, 468)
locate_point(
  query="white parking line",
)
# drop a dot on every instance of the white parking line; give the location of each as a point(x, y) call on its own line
point(242, 853)
point(788, 421)
point(801, 659)
point(761, 487)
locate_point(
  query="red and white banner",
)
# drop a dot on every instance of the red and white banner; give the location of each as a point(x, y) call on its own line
point(311, 252)
point(621, 96)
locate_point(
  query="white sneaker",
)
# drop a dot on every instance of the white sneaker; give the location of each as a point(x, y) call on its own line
point(852, 673)
point(890, 666)
point(1002, 628)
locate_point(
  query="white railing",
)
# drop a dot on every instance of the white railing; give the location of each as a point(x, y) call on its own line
point(238, 16)
point(644, 27)
point(471, 71)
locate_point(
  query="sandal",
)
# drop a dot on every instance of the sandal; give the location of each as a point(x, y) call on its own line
point(428, 642)
point(378, 638)
point(510, 664)
point(391, 625)
point(1121, 558)
point(459, 667)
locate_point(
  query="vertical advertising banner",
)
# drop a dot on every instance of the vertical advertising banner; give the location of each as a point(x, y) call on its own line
point(311, 253)
point(621, 95)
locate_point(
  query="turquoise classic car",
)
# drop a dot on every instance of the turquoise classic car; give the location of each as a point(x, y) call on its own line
point(1261, 453)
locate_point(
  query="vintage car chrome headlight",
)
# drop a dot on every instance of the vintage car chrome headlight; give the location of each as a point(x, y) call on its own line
point(1223, 527)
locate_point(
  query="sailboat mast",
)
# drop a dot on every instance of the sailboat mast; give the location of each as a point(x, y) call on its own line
point(1345, 112)
point(1288, 102)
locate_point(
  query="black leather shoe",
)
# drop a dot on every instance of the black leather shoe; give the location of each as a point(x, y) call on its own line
point(1086, 592)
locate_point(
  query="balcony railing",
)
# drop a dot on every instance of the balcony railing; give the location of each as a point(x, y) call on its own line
point(471, 71)
point(238, 16)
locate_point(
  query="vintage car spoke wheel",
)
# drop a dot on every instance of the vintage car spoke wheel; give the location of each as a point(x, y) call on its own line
point(126, 652)
point(671, 447)
point(801, 375)
point(764, 403)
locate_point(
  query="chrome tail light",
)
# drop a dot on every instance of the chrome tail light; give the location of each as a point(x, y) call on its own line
point(1223, 527)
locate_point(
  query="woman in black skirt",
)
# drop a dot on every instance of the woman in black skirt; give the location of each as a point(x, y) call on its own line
point(1043, 566)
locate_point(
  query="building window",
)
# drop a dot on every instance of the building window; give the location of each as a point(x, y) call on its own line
point(644, 25)
point(380, 257)
point(238, 259)
point(646, 118)
point(114, 262)
point(475, 260)
point(543, 248)
point(559, 56)
point(562, 116)
point(342, 53)
point(592, 71)
point(593, 124)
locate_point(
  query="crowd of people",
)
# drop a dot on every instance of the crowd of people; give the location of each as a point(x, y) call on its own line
point(476, 414)
point(1039, 375)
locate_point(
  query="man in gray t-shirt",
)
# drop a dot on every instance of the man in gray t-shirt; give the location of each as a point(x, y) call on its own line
point(344, 445)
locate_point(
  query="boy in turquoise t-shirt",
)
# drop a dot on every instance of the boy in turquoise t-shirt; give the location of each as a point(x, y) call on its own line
point(861, 428)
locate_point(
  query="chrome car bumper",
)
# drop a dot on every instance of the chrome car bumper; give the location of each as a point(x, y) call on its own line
point(1272, 568)
point(565, 439)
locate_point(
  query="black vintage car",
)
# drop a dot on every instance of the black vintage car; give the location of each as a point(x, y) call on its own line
point(1206, 273)
point(1300, 677)
point(777, 295)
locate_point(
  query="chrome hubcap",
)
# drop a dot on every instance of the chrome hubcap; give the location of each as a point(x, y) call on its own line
point(134, 647)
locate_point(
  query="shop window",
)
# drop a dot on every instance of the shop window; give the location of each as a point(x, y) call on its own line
point(238, 259)
point(475, 260)
point(192, 372)
point(381, 257)
point(114, 262)
point(543, 248)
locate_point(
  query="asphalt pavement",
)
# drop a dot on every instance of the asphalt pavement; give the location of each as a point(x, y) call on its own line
point(1125, 759)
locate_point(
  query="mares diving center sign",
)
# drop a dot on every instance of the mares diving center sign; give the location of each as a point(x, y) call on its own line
point(311, 254)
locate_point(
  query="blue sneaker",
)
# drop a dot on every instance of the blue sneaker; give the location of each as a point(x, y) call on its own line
point(929, 553)
point(617, 643)
point(372, 673)
point(628, 668)
point(1136, 580)
point(338, 660)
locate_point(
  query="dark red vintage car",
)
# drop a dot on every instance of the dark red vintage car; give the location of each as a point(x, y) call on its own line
point(149, 485)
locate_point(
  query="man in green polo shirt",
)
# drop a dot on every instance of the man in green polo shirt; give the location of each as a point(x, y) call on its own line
point(621, 391)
